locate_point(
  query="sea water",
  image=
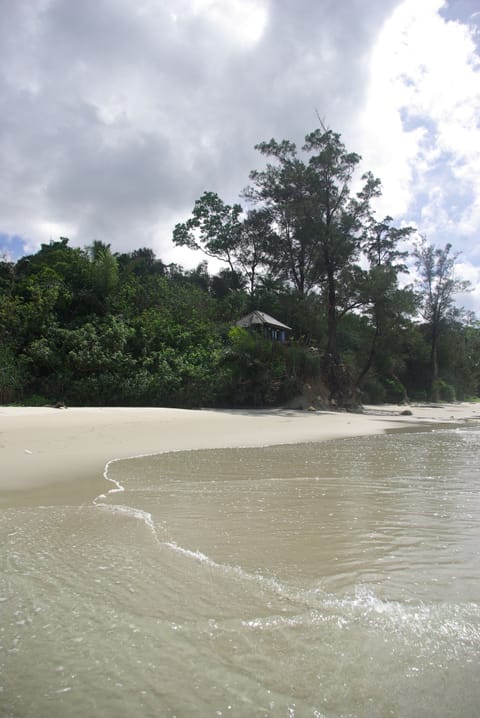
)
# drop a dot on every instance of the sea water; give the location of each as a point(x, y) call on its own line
point(339, 579)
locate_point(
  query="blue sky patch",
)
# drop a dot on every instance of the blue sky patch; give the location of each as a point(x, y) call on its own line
point(13, 246)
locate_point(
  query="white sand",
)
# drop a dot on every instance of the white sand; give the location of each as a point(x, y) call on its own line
point(40, 446)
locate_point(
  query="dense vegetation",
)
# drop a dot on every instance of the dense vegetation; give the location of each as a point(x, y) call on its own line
point(91, 326)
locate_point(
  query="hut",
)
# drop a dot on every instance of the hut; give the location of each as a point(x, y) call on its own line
point(266, 325)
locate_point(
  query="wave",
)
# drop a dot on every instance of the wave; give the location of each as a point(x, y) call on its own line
point(140, 514)
point(439, 622)
point(433, 623)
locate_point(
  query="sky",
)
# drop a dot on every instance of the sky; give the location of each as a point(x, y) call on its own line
point(115, 116)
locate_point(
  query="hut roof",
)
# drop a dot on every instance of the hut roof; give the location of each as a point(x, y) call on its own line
point(261, 318)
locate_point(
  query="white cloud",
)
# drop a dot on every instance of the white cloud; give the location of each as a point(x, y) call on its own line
point(242, 20)
point(115, 116)
point(471, 273)
point(420, 122)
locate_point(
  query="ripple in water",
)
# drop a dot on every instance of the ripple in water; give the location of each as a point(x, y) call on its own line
point(338, 579)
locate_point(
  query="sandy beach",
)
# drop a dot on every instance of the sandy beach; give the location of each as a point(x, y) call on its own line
point(42, 446)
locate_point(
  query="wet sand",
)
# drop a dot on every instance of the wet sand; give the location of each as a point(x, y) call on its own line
point(43, 446)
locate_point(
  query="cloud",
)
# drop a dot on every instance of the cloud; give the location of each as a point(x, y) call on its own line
point(425, 93)
point(116, 116)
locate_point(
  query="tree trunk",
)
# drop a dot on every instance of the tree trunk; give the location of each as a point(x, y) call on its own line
point(332, 346)
point(371, 355)
point(434, 396)
point(337, 376)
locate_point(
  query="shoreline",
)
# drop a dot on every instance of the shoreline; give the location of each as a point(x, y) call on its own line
point(43, 446)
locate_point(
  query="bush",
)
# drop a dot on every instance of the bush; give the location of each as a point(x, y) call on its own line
point(11, 376)
point(444, 391)
point(373, 391)
point(35, 400)
point(253, 370)
point(395, 391)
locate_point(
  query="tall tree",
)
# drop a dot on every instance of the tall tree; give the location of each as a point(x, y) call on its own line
point(141, 262)
point(282, 190)
point(318, 225)
point(220, 232)
point(214, 228)
point(383, 301)
point(256, 237)
point(105, 276)
point(437, 286)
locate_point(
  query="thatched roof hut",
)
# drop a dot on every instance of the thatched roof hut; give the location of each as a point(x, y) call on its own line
point(266, 324)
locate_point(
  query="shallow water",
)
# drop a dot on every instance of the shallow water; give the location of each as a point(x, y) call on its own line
point(337, 579)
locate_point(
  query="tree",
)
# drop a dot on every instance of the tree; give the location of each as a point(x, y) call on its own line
point(437, 286)
point(318, 229)
point(218, 230)
point(141, 262)
point(282, 190)
point(10, 379)
point(383, 301)
point(7, 275)
point(214, 228)
point(104, 272)
point(459, 359)
point(256, 237)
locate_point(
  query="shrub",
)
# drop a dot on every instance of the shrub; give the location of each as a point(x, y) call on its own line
point(11, 376)
point(395, 391)
point(444, 391)
point(373, 391)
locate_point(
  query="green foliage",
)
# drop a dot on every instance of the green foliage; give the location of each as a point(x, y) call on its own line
point(11, 376)
point(88, 326)
point(394, 390)
point(104, 275)
point(380, 390)
point(444, 391)
point(373, 391)
point(437, 286)
point(253, 369)
point(258, 372)
point(213, 228)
